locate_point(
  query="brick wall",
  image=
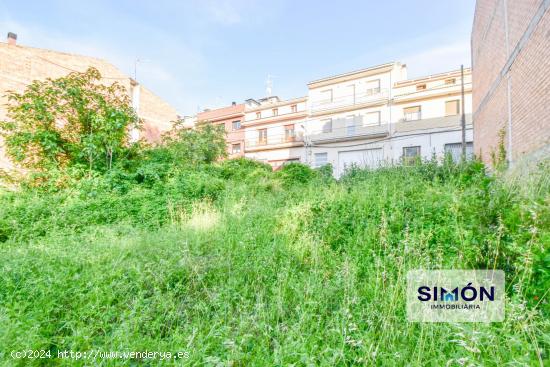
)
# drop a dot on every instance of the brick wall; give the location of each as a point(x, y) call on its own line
point(527, 52)
point(20, 65)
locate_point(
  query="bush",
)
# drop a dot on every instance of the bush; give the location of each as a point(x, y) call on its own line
point(152, 258)
point(295, 174)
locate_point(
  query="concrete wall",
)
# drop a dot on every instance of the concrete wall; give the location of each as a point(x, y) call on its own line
point(511, 76)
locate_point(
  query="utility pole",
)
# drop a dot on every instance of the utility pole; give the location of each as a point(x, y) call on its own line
point(463, 117)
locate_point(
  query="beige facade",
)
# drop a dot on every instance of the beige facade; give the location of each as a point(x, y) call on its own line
point(274, 131)
point(511, 77)
point(20, 65)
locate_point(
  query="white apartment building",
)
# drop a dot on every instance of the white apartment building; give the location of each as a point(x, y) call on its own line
point(376, 116)
point(274, 130)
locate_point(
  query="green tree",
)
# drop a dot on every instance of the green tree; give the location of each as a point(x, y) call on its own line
point(203, 144)
point(72, 121)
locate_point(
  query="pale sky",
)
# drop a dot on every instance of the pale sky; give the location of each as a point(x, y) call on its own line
point(209, 53)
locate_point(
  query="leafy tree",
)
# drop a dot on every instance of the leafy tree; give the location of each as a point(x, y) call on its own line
point(72, 121)
point(203, 144)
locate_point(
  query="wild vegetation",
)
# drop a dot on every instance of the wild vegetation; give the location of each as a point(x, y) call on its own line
point(170, 249)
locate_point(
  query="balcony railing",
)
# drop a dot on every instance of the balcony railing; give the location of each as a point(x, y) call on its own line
point(274, 140)
point(371, 96)
point(350, 132)
point(444, 122)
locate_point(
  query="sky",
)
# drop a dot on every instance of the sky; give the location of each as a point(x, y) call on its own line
point(205, 54)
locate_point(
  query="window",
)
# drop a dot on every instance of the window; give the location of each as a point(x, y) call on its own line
point(326, 96)
point(452, 108)
point(373, 87)
point(450, 81)
point(420, 86)
point(258, 115)
point(455, 150)
point(275, 111)
point(321, 159)
point(350, 125)
point(236, 125)
point(235, 148)
point(262, 136)
point(410, 154)
point(289, 132)
point(372, 118)
point(327, 125)
point(293, 108)
point(412, 113)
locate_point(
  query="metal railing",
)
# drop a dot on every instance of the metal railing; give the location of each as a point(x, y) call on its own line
point(274, 140)
point(340, 132)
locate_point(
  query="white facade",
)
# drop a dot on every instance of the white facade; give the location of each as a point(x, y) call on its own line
point(368, 118)
point(376, 116)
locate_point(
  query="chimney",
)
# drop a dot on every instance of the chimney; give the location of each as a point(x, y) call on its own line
point(12, 39)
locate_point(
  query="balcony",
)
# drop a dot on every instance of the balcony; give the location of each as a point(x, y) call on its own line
point(274, 142)
point(343, 103)
point(445, 122)
point(352, 132)
point(405, 94)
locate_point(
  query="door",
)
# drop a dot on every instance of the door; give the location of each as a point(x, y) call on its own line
point(370, 158)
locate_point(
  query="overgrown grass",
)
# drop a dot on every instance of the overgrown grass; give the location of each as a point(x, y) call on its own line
point(241, 266)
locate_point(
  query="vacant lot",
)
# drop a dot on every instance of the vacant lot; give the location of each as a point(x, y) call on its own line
point(240, 266)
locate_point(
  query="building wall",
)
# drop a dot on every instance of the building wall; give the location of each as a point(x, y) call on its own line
point(431, 143)
point(277, 157)
point(226, 116)
point(365, 143)
point(511, 76)
point(278, 148)
point(20, 65)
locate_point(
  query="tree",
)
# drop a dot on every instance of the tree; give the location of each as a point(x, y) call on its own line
point(203, 144)
point(70, 121)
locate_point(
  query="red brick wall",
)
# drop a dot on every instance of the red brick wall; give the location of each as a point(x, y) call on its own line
point(529, 76)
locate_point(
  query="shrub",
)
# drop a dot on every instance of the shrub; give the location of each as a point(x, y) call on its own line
point(295, 174)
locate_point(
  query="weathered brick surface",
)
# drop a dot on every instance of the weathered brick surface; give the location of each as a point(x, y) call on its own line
point(20, 65)
point(529, 76)
point(488, 57)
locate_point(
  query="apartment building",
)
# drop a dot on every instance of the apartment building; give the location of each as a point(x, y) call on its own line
point(426, 116)
point(349, 118)
point(232, 118)
point(376, 116)
point(20, 65)
point(511, 75)
point(274, 130)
